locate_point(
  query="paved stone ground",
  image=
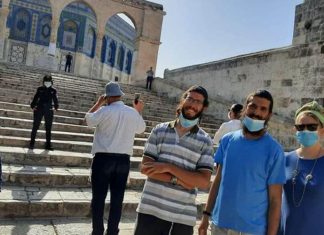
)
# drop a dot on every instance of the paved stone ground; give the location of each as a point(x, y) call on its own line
point(61, 226)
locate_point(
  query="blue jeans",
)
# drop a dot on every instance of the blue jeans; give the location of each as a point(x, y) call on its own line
point(109, 170)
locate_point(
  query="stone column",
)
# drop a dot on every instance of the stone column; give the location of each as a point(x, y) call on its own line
point(54, 28)
point(146, 57)
point(4, 31)
point(97, 66)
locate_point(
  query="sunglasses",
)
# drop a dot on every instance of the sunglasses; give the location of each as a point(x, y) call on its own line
point(310, 127)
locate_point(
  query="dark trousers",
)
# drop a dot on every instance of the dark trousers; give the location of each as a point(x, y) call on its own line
point(67, 66)
point(38, 116)
point(149, 81)
point(149, 224)
point(109, 170)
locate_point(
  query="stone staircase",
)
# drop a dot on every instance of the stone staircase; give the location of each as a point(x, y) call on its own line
point(51, 184)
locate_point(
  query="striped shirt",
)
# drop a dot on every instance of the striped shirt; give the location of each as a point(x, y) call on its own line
point(193, 151)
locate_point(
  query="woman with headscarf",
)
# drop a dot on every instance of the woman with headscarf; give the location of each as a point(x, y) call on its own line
point(303, 197)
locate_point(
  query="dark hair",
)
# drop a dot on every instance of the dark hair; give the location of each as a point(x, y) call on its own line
point(47, 78)
point(261, 94)
point(236, 109)
point(198, 89)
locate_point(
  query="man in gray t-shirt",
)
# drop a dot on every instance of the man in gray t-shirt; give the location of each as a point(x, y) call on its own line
point(177, 160)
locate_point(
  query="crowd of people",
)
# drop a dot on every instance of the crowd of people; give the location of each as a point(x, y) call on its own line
point(257, 189)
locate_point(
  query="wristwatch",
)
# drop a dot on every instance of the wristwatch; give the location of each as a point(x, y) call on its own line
point(206, 213)
point(174, 180)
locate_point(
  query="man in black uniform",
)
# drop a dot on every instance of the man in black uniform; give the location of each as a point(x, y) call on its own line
point(68, 62)
point(42, 105)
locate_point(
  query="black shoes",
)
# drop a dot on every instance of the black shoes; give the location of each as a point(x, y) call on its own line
point(31, 145)
point(49, 148)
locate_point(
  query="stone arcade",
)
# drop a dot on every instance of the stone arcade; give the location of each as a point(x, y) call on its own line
point(40, 33)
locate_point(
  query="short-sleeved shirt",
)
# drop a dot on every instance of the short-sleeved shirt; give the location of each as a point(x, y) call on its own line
point(248, 168)
point(116, 125)
point(225, 128)
point(305, 214)
point(192, 151)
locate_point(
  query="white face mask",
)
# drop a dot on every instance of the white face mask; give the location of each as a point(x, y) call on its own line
point(48, 84)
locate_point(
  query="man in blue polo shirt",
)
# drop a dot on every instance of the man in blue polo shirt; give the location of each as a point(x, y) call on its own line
point(245, 197)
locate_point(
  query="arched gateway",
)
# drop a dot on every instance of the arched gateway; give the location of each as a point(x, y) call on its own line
point(41, 32)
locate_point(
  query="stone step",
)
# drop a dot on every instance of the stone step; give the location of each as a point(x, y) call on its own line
point(28, 123)
point(63, 145)
point(26, 108)
point(149, 109)
point(38, 202)
point(70, 120)
point(66, 127)
point(56, 127)
point(66, 226)
point(39, 157)
point(140, 139)
point(54, 176)
point(76, 90)
point(80, 115)
point(67, 97)
point(71, 82)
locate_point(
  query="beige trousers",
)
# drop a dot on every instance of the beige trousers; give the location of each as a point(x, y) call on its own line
point(223, 231)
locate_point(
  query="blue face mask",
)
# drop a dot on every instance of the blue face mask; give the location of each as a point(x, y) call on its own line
point(187, 123)
point(307, 138)
point(253, 125)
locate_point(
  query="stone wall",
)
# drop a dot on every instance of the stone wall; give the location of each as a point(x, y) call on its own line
point(293, 75)
point(309, 22)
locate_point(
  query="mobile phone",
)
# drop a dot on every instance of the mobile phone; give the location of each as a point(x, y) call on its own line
point(137, 97)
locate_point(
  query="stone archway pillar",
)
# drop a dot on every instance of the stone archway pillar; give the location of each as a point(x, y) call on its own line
point(97, 66)
point(54, 29)
point(4, 31)
point(146, 57)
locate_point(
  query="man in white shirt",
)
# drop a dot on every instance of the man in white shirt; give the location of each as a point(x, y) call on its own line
point(234, 124)
point(116, 125)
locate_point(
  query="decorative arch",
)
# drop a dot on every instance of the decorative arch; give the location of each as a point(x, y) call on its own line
point(129, 16)
point(78, 2)
point(21, 26)
point(77, 31)
point(69, 35)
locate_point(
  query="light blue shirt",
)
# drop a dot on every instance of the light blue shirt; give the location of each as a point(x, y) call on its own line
point(248, 168)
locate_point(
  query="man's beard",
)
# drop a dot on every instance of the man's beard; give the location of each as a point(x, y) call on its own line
point(256, 133)
point(198, 115)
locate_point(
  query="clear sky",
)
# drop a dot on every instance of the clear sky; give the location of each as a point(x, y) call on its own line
point(199, 31)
